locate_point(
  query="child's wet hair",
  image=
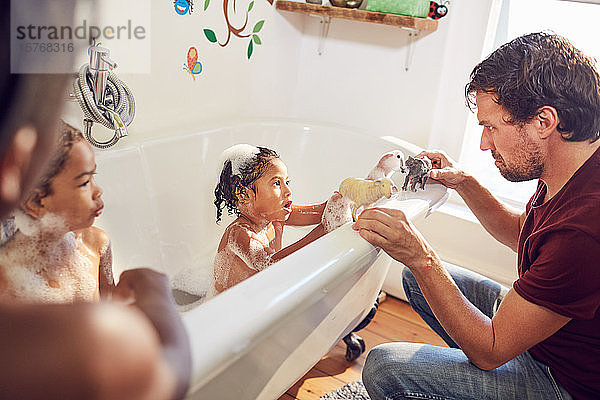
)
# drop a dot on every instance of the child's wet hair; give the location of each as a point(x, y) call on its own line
point(229, 184)
point(69, 135)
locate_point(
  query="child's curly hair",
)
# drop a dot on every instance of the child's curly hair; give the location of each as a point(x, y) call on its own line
point(229, 184)
point(69, 135)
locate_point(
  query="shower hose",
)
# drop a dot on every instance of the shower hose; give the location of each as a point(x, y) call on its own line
point(116, 112)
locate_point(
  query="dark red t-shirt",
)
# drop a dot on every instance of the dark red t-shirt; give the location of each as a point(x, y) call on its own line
point(559, 268)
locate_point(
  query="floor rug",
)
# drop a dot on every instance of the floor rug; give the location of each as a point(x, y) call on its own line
point(352, 391)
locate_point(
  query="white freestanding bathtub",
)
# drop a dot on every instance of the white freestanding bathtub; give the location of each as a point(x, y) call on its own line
point(256, 339)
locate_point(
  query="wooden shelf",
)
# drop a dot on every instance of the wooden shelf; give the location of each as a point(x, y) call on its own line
point(403, 21)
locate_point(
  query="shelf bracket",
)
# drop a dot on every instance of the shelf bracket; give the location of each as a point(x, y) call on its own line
point(413, 34)
point(325, 22)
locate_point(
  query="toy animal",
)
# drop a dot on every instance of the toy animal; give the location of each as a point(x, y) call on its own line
point(363, 192)
point(418, 172)
point(338, 209)
point(337, 212)
point(387, 165)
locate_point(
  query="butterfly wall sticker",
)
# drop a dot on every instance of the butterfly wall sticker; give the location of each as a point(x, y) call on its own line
point(193, 67)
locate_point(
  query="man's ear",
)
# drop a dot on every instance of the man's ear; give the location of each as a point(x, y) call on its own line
point(15, 163)
point(547, 121)
point(33, 205)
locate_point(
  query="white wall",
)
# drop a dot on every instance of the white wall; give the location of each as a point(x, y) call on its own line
point(360, 81)
point(463, 50)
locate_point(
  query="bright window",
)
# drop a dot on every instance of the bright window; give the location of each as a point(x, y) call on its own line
point(517, 17)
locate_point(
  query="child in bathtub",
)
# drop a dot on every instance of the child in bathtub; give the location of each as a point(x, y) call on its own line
point(56, 255)
point(254, 185)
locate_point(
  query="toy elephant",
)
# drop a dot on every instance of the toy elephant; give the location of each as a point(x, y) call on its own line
point(418, 172)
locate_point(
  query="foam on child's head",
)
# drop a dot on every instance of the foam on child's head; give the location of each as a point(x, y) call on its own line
point(241, 165)
point(240, 156)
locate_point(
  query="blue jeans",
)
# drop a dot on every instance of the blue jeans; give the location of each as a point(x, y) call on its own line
point(421, 371)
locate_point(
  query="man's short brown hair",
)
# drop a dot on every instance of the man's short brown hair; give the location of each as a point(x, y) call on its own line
point(542, 69)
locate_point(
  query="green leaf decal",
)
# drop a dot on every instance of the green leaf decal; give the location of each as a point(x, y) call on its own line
point(206, 3)
point(249, 5)
point(256, 39)
point(250, 48)
point(210, 35)
point(258, 26)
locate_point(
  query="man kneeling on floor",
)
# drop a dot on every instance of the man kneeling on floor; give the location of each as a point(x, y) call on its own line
point(538, 100)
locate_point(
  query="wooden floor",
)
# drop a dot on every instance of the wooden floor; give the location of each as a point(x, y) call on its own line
point(394, 322)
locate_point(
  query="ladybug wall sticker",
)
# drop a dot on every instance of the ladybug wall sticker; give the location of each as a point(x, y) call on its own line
point(437, 10)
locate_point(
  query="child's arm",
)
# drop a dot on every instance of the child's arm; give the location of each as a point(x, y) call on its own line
point(313, 235)
point(306, 215)
point(106, 280)
point(97, 240)
point(248, 246)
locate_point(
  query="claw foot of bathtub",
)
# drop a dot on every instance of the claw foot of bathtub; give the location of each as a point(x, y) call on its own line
point(355, 346)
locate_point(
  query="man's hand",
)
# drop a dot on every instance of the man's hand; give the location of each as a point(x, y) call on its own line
point(144, 286)
point(445, 170)
point(390, 230)
point(151, 293)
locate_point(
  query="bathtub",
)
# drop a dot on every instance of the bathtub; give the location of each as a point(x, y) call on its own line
point(256, 339)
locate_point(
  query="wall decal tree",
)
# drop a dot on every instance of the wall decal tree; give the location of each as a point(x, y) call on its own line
point(237, 31)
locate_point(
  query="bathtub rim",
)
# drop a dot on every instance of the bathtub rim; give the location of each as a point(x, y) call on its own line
point(290, 299)
point(329, 275)
point(216, 125)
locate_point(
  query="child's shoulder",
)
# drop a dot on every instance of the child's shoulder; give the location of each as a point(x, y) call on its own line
point(95, 238)
point(239, 227)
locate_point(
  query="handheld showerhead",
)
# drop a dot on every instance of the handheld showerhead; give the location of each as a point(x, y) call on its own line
point(103, 97)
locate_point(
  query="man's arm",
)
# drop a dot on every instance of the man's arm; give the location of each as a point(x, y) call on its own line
point(488, 343)
point(152, 297)
point(502, 222)
point(82, 351)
